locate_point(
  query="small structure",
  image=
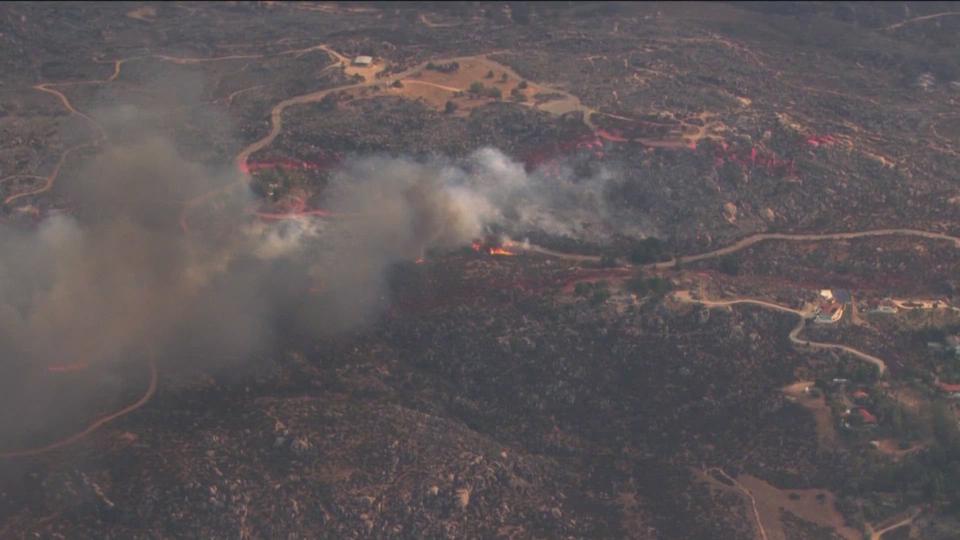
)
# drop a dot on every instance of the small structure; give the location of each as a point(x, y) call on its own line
point(948, 388)
point(842, 296)
point(860, 395)
point(885, 306)
point(832, 304)
point(829, 312)
point(363, 61)
point(867, 417)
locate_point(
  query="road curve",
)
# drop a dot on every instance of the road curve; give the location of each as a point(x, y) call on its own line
point(97, 424)
point(753, 501)
point(804, 237)
point(794, 334)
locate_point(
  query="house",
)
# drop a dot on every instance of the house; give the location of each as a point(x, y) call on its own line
point(953, 344)
point(948, 388)
point(842, 296)
point(885, 306)
point(829, 312)
point(867, 417)
point(363, 61)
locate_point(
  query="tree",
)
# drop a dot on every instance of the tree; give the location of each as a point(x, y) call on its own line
point(397, 84)
point(582, 288)
point(494, 92)
point(599, 296)
point(503, 77)
point(450, 107)
point(637, 284)
point(489, 75)
point(730, 266)
point(648, 250)
point(476, 87)
point(522, 85)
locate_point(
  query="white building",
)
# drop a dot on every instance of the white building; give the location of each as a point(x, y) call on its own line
point(363, 61)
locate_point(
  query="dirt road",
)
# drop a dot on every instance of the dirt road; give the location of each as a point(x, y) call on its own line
point(746, 492)
point(878, 534)
point(801, 237)
point(684, 296)
point(97, 424)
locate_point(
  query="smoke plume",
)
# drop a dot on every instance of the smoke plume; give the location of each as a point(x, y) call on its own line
point(119, 278)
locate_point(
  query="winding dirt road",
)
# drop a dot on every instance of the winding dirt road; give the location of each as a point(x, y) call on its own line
point(878, 534)
point(803, 315)
point(923, 18)
point(749, 494)
point(805, 237)
point(97, 424)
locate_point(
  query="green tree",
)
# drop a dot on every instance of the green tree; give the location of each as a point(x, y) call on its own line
point(637, 284)
point(648, 250)
point(730, 266)
point(582, 288)
point(476, 87)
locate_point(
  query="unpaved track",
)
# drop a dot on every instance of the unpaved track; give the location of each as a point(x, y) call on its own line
point(753, 501)
point(97, 424)
point(922, 18)
point(804, 237)
point(878, 534)
point(802, 315)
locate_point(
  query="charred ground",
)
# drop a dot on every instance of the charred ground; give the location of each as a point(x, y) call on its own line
point(532, 395)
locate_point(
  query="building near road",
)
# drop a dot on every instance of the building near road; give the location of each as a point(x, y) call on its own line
point(885, 306)
point(829, 313)
point(363, 61)
point(859, 417)
point(842, 296)
point(831, 306)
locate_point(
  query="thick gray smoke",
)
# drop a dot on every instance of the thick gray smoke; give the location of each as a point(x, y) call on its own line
point(119, 278)
point(122, 274)
point(395, 209)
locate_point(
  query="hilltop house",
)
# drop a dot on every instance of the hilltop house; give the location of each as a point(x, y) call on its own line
point(829, 313)
point(363, 61)
point(832, 303)
point(863, 418)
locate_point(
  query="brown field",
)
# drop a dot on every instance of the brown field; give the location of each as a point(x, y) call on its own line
point(807, 506)
point(826, 431)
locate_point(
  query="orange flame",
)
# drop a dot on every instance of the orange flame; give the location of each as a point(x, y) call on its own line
point(501, 252)
point(476, 245)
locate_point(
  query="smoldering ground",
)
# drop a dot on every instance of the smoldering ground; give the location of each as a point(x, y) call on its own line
point(118, 279)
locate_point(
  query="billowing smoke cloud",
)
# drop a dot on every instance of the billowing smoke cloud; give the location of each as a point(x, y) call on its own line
point(119, 278)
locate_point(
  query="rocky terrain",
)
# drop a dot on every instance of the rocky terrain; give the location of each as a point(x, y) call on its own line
point(575, 372)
